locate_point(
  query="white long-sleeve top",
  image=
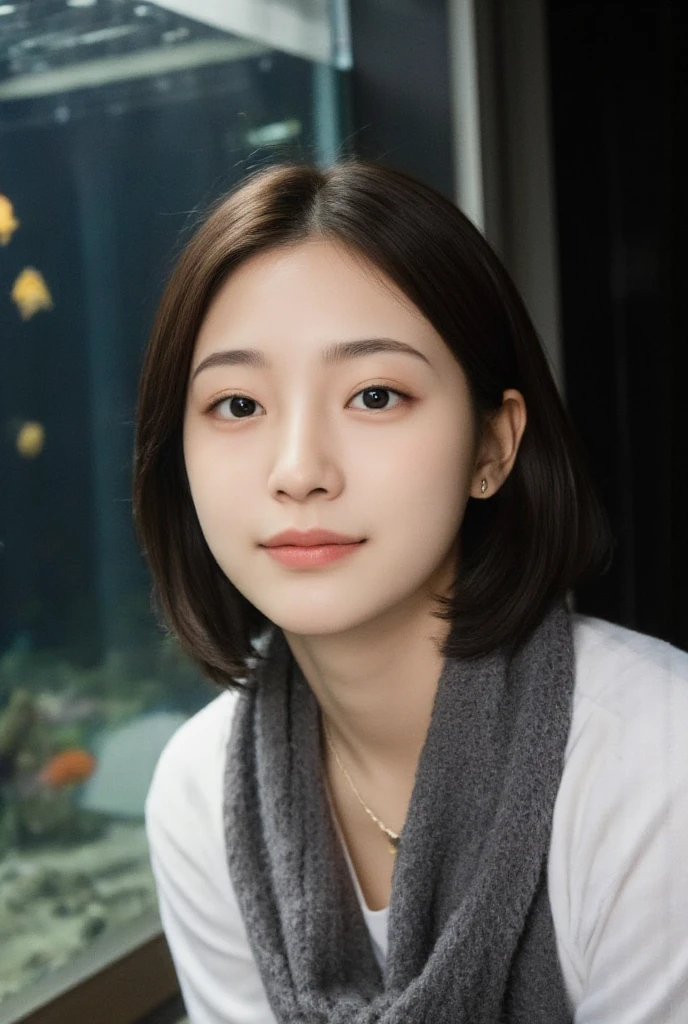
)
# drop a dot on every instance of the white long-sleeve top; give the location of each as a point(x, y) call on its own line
point(618, 860)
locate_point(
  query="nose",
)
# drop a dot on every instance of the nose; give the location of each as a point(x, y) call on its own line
point(304, 459)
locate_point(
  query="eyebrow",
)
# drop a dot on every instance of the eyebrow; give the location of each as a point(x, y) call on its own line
point(337, 352)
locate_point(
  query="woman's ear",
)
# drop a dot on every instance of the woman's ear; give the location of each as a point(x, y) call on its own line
point(502, 433)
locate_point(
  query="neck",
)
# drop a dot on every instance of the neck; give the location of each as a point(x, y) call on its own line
point(376, 691)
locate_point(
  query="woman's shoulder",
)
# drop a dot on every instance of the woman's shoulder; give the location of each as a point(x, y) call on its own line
point(630, 706)
point(190, 766)
point(626, 744)
point(626, 673)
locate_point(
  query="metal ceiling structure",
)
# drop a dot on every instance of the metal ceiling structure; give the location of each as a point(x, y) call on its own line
point(57, 46)
point(61, 59)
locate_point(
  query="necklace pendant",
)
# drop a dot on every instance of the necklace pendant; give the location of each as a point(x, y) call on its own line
point(393, 845)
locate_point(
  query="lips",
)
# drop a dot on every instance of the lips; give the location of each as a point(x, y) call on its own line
point(309, 539)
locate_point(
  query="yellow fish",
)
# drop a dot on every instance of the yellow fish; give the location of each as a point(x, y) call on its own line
point(30, 292)
point(30, 439)
point(8, 222)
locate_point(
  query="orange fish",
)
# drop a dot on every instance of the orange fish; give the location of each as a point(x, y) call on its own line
point(68, 767)
point(31, 293)
point(8, 222)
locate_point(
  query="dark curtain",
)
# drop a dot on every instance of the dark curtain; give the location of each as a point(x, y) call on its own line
point(618, 79)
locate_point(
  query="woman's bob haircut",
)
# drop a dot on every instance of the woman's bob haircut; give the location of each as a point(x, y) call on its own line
point(521, 549)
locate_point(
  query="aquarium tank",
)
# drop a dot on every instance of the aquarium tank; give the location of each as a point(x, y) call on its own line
point(120, 123)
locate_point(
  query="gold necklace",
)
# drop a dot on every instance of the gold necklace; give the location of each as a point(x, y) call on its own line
point(393, 837)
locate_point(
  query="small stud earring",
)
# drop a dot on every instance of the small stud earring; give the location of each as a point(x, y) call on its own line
point(483, 486)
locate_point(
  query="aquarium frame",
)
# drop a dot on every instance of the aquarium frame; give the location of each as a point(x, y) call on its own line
point(125, 975)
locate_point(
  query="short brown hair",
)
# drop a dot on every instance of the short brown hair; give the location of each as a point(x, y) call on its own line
point(521, 550)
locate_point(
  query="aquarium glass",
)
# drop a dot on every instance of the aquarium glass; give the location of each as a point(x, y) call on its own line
point(120, 122)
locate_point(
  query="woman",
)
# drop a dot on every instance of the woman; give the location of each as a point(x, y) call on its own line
point(429, 791)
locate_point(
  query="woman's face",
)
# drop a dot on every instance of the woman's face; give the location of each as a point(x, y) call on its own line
point(306, 445)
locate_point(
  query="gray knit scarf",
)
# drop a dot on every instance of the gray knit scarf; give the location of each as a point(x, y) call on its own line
point(471, 937)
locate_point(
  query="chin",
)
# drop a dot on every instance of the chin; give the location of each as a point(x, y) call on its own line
point(314, 622)
point(308, 626)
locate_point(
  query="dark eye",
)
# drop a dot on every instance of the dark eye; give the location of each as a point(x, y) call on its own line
point(378, 397)
point(235, 407)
